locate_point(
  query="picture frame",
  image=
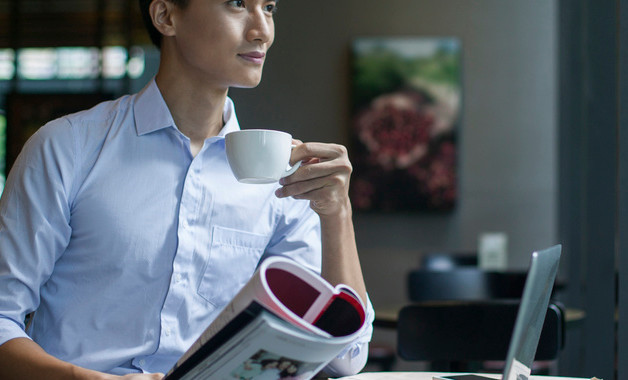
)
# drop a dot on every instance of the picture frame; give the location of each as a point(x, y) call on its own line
point(406, 95)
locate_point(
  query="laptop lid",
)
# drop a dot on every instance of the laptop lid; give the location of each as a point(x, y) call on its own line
point(531, 315)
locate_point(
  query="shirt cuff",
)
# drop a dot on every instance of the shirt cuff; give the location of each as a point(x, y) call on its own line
point(9, 329)
point(353, 358)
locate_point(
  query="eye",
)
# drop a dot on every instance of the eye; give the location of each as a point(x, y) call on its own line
point(236, 3)
point(271, 8)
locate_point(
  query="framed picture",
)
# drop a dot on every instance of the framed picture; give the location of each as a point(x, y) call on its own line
point(26, 113)
point(405, 114)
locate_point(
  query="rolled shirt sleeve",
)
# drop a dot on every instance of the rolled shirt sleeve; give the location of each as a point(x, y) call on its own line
point(34, 224)
point(353, 358)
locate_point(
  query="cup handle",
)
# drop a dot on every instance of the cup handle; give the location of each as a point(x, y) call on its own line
point(293, 169)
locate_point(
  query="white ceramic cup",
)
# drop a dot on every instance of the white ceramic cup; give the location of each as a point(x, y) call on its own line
point(259, 155)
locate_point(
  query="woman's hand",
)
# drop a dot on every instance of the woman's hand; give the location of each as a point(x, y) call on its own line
point(323, 177)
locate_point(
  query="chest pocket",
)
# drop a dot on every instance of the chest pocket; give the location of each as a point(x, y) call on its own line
point(232, 261)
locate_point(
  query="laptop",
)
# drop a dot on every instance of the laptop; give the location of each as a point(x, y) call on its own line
point(530, 317)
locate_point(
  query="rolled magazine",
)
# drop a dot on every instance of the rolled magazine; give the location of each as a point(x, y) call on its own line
point(287, 322)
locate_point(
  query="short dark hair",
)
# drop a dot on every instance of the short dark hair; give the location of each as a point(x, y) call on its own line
point(153, 33)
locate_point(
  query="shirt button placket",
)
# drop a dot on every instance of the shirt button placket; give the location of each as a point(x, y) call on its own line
point(183, 256)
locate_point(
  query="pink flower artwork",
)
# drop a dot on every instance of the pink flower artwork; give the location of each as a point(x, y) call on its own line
point(406, 101)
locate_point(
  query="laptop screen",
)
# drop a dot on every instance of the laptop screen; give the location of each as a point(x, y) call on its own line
point(531, 314)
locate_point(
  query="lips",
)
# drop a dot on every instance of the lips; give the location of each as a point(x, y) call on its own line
point(256, 57)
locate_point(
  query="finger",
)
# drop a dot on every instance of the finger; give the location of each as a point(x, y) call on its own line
point(309, 171)
point(331, 184)
point(319, 150)
point(300, 187)
point(316, 168)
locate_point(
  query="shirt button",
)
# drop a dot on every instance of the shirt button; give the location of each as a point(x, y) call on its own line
point(142, 362)
point(167, 331)
point(178, 277)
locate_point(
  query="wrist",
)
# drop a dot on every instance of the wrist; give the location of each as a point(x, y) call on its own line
point(343, 213)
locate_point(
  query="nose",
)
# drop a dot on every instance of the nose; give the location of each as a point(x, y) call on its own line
point(261, 27)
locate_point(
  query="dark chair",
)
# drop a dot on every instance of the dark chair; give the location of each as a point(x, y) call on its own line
point(460, 336)
point(381, 356)
point(471, 284)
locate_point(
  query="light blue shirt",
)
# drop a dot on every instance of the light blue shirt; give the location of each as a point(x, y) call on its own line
point(127, 246)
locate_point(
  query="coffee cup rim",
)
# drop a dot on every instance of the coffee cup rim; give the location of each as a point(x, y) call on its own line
point(260, 130)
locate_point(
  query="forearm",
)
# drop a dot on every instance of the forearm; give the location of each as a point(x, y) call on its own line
point(323, 179)
point(21, 358)
point(341, 263)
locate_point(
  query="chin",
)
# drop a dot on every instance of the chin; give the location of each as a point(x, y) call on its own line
point(248, 84)
point(248, 78)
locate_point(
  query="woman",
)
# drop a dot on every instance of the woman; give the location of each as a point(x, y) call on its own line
point(124, 229)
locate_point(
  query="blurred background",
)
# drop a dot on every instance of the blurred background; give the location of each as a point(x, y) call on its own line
point(539, 153)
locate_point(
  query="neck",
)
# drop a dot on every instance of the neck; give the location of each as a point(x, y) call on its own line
point(196, 108)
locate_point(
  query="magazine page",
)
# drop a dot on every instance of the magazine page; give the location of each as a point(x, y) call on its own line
point(293, 293)
point(267, 348)
point(302, 296)
point(299, 295)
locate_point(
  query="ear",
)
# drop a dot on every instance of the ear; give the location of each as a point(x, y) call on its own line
point(161, 12)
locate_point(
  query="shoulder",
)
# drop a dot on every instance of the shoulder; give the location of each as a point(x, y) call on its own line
point(61, 140)
point(100, 114)
point(103, 113)
point(88, 128)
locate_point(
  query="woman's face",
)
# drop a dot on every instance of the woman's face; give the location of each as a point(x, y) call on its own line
point(224, 42)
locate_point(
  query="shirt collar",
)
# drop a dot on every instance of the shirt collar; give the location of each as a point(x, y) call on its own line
point(230, 119)
point(152, 113)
